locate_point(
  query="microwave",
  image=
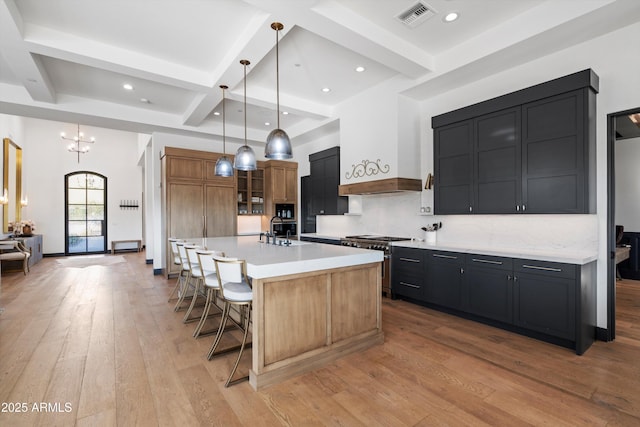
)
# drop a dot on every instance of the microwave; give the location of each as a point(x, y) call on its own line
point(280, 229)
point(286, 210)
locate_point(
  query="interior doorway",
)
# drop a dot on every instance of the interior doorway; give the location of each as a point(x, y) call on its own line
point(85, 213)
point(621, 126)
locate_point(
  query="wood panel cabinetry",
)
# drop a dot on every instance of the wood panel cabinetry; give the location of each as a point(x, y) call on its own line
point(283, 177)
point(196, 202)
point(250, 188)
point(531, 151)
point(552, 301)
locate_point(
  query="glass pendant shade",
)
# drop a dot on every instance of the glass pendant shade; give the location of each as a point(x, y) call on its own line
point(278, 145)
point(223, 164)
point(245, 159)
point(223, 167)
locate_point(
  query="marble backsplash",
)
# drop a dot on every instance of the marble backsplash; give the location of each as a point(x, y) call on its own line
point(399, 215)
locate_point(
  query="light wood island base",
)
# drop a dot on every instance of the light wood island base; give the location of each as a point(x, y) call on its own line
point(303, 321)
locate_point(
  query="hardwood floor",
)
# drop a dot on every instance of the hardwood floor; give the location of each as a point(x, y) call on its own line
point(100, 346)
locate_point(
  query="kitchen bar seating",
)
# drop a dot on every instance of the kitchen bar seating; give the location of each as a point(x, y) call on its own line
point(185, 272)
point(196, 280)
point(236, 290)
point(175, 255)
point(207, 267)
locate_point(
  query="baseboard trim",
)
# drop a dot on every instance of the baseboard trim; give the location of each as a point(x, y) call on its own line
point(602, 334)
point(157, 271)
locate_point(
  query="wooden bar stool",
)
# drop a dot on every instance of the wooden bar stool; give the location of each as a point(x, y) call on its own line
point(236, 291)
point(207, 268)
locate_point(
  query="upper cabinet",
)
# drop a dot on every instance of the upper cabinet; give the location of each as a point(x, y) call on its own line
point(251, 191)
point(283, 177)
point(531, 151)
point(325, 179)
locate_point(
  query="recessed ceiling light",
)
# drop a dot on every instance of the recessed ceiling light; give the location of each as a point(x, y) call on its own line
point(127, 86)
point(215, 113)
point(451, 16)
point(267, 123)
point(360, 69)
point(145, 101)
point(285, 113)
point(326, 89)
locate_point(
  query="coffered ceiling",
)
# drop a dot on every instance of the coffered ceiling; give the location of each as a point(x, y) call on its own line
point(67, 60)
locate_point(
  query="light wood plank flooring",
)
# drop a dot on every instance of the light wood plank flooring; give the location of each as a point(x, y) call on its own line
point(95, 341)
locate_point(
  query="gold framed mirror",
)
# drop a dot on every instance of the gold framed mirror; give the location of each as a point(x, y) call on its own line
point(12, 182)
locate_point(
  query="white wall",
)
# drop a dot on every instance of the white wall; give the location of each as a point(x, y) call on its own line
point(627, 169)
point(46, 163)
point(617, 66)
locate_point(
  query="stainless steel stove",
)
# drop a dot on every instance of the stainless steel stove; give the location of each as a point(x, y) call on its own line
point(371, 241)
point(380, 243)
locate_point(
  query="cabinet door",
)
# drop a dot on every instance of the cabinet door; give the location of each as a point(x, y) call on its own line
point(220, 211)
point(291, 185)
point(444, 279)
point(325, 178)
point(284, 184)
point(488, 287)
point(185, 210)
point(553, 154)
point(545, 298)
point(453, 150)
point(408, 273)
point(497, 162)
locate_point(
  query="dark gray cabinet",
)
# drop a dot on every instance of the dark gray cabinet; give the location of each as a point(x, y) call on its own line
point(408, 273)
point(325, 179)
point(444, 276)
point(497, 167)
point(453, 148)
point(555, 147)
point(555, 302)
point(545, 297)
point(531, 151)
point(488, 287)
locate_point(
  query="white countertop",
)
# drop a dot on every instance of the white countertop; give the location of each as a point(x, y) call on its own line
point(552, 255)
point(301, 257)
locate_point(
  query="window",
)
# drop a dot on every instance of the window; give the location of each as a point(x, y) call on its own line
point(86, 214)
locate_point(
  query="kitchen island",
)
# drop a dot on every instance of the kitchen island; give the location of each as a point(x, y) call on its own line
point(312, 303)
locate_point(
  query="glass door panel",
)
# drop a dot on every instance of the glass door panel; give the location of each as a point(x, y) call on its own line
point(85, 214)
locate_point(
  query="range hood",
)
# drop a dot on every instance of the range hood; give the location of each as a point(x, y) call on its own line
point(380, 186)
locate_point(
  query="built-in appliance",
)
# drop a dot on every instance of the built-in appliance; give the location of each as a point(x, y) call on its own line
point(380, 243)
point(286, 211)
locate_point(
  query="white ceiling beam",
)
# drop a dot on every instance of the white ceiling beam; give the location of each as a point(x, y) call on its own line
point(22, 63)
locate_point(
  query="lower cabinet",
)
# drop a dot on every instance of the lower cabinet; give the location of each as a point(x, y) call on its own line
point(444, 279)
point(555, 302)
point(488, 287)
point(407, 273)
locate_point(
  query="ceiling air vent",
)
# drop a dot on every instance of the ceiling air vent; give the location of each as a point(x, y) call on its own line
point(416, 15)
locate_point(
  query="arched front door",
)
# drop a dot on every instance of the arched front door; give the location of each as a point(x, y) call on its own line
point(85, 213)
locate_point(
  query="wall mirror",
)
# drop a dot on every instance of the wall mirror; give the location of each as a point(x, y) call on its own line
point(12, 182)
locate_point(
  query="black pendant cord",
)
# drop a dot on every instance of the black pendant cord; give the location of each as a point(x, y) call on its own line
point(277, 78)
point(224, 129)
point(245, 101)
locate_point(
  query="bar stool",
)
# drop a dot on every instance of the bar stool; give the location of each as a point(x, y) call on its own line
point(175, 255)
point(207, 268)
point(195, 282)
point(236, 290)
point(182, 291)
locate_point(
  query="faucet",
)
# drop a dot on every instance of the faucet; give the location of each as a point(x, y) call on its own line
point(271, 228)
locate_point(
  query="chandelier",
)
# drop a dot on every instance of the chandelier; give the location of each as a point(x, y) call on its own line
point(76, 145)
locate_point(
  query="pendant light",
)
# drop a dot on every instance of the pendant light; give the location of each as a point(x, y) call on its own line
point(223, 164)
point(245, 157)
point(278, 144)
